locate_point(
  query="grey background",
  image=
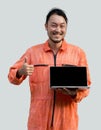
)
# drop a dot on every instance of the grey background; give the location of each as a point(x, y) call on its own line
point(21, 26)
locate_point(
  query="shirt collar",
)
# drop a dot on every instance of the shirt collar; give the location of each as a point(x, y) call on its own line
point(47, 48)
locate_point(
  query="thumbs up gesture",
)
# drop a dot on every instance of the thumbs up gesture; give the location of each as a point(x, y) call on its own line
point(26, 69)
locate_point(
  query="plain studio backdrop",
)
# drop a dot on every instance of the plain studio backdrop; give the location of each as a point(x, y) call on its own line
point(21, 26)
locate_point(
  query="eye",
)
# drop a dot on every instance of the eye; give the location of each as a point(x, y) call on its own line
point(62, 26)
point(54, 25)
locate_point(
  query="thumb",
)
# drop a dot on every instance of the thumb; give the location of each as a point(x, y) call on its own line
point(25, 60)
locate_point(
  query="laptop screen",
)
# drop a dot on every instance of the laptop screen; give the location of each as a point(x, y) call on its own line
point(71, 76)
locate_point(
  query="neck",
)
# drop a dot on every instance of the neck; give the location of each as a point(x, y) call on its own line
point(55, 46)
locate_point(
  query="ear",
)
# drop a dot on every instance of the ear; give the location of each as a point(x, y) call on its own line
point(46, 26)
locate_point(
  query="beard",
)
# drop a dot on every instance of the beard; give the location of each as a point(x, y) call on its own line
point(56, 41)
point(53, 36)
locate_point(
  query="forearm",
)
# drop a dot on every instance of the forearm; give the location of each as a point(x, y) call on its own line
point(81, 94)
point(13, 76)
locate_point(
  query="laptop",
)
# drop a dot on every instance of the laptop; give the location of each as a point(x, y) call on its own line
point(68, 77)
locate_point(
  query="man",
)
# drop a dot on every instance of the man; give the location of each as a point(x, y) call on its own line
point(51, 109)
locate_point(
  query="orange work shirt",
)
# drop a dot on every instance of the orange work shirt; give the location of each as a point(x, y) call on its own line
point(42, 96)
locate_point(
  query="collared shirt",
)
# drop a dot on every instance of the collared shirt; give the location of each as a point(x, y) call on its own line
point(42, 96)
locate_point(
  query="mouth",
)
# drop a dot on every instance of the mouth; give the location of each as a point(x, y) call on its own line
point(57, 33)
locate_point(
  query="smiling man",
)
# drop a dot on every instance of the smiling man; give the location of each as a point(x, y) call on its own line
point(51, 109)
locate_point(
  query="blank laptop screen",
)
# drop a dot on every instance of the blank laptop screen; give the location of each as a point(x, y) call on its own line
point(68, 76)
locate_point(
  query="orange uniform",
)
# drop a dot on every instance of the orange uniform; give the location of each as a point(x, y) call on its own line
point(42, 97)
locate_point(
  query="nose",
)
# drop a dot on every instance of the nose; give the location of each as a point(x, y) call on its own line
point(58, 29)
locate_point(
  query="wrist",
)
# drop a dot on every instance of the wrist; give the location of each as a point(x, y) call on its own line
point(74, 95)
point(18, 74)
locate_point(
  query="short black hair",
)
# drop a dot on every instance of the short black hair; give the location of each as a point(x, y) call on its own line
point(57, 11)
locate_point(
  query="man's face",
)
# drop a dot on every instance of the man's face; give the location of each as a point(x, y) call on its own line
point(56, 28)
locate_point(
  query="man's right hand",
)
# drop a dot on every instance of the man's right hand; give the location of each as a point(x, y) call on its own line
point(26, 69)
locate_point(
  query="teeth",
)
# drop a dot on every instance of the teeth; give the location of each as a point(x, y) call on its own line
point(55, 33)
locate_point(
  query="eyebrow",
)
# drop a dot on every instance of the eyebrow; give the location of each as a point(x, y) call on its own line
point(56, 23)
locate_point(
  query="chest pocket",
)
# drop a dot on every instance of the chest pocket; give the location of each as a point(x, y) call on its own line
point(40, 74)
